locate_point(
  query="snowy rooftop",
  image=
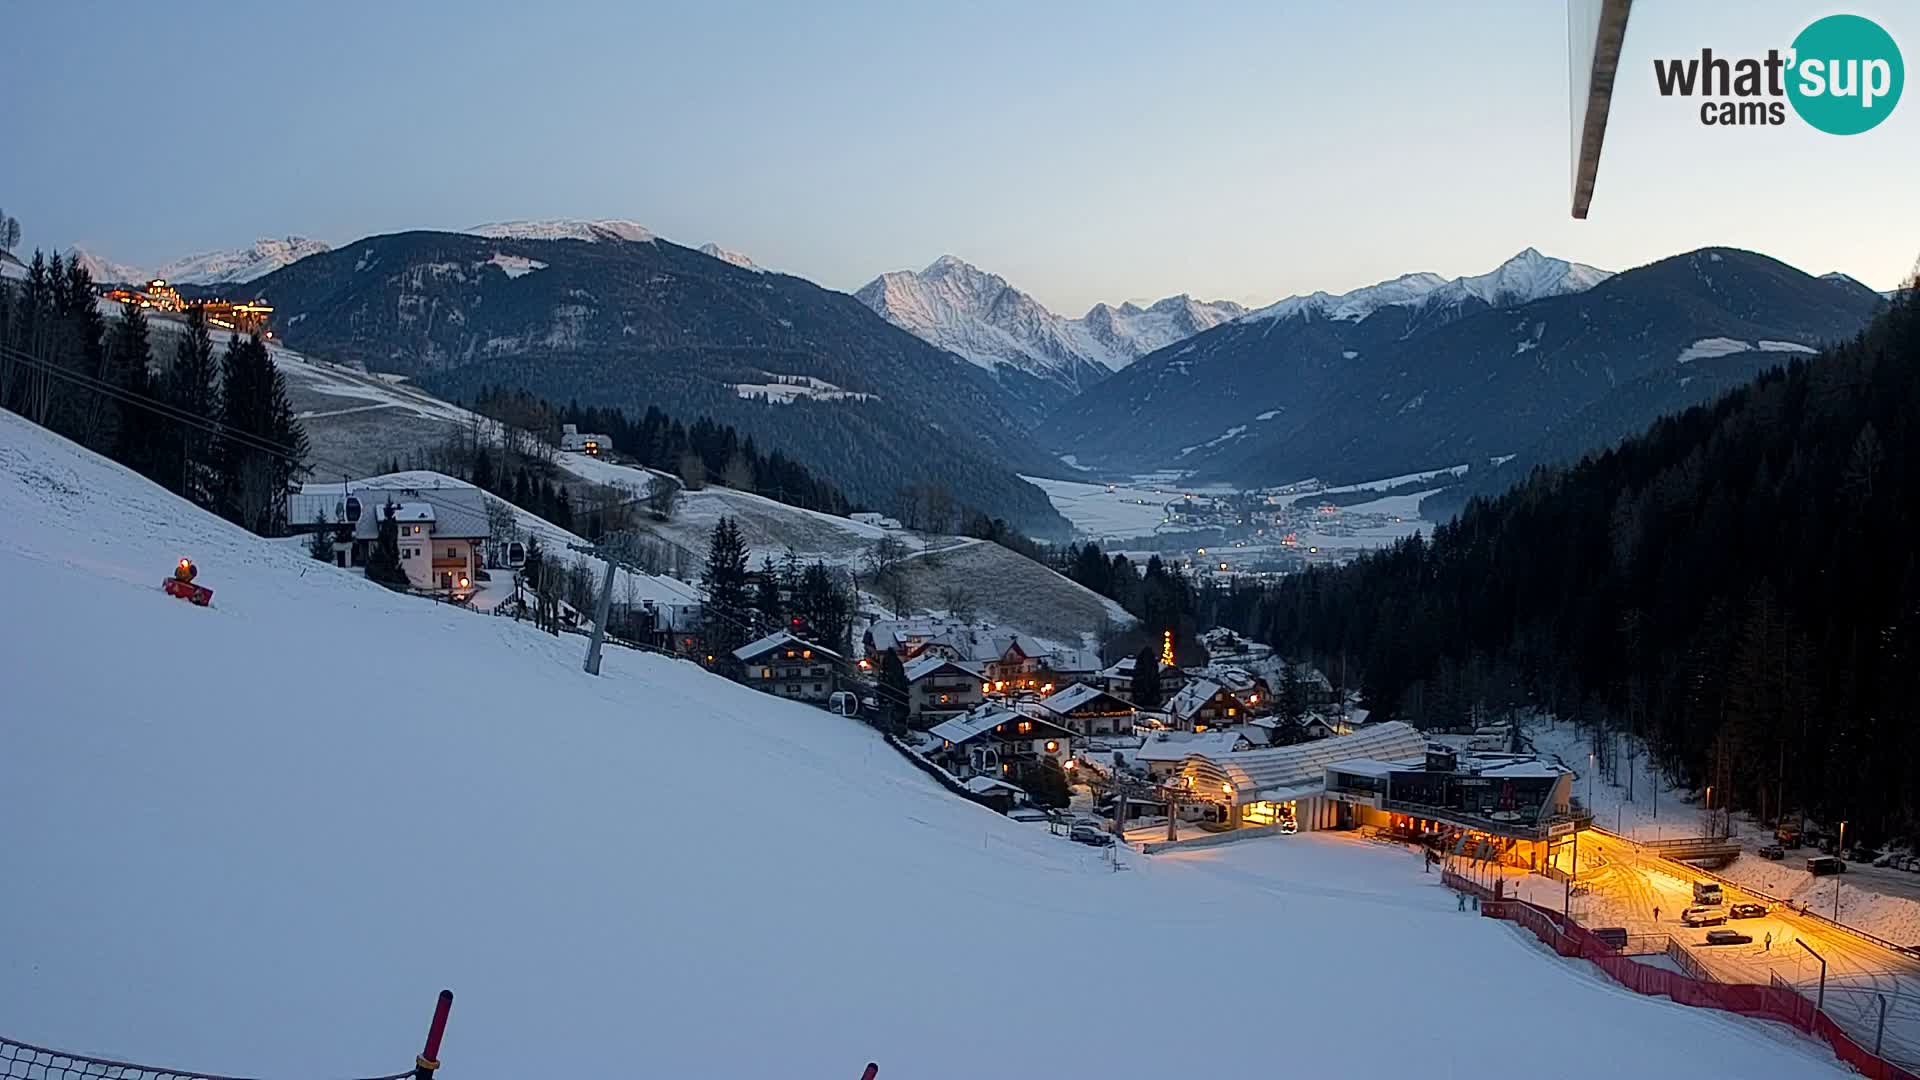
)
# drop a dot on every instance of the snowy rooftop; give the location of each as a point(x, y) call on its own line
point(980, 785)
point(1372, 766)
point(1180, 745)
point(1077, 695)
point(1192, 697)
point(980, 721)
point(928, 663)
point(775, 640)
point(1306, 763)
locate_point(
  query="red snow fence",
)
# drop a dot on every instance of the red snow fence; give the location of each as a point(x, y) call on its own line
point(24, 1061)
point(1777, 1002)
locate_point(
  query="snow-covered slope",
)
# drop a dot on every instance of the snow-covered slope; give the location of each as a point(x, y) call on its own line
point(978, 315)
point(256, 838)
point(1525, 277)
point(566, 229)
point(736, 258)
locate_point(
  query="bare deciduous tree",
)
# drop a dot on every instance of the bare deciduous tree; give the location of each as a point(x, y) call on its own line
point(663, 499)
point(959, 602)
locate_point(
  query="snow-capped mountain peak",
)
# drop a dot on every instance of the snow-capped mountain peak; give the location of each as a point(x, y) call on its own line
point(1526, 277)
point(1357, 304)
point(979, 315)
point(567, 229)
point(263, 257)
point(266, 255)
point(106, 271)
point(734, 257)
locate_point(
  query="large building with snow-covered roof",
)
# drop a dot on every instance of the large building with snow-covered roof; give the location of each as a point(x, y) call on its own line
point(1288, 783)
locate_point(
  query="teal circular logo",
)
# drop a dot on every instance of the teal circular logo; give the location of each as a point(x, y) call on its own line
point(1846, 75)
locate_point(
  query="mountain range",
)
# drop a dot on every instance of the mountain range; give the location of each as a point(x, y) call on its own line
point(234, 267)
point(628, 319)
point(1419, 372)
point(1036, 354)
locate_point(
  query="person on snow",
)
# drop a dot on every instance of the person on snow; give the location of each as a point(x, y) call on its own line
point(186, 571)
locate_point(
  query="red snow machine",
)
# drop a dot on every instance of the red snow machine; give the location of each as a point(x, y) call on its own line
point(181, 584)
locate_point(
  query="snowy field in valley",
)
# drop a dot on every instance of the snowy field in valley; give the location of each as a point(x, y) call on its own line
point(257, 838)
point(1101, 511)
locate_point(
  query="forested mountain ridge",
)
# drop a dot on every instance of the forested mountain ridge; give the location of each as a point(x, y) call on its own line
point(1739, 584)
point(1401, 387)
point(634, 323)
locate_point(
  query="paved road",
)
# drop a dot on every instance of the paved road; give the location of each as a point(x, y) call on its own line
point(1884, 881)
point(1632, 883)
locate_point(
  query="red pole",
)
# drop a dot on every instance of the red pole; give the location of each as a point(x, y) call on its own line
point(429, 1059)
point(872, 1071)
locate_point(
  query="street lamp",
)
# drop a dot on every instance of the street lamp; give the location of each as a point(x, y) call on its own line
point(1820, 1005)
point(1836, 878)
point(1709, 809)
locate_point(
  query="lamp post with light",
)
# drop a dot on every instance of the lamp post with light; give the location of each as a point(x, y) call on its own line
point(1839, 853)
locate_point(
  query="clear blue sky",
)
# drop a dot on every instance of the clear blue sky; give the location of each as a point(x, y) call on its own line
point(1087, 151)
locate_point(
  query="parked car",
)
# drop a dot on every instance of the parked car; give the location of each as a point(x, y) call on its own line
point(1703, 916)
point(1088, 834)
point(1728, 937)
point(1613, 937)
point(1772, 851)
point(1707, 894)
point(1747, 911)
point(1821, 865)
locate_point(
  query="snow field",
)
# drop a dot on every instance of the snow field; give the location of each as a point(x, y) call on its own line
point(257, 838)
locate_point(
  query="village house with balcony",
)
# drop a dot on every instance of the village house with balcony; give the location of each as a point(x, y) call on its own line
point(789, 667)
point(938, 688)
point(1088, 710)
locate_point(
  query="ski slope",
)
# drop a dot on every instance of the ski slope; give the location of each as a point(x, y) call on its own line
point(256, 839)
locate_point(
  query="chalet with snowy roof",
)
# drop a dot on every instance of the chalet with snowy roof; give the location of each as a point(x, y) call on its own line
point(1088, 710)
point(992, 741)
point(1163, 754)
point(1013, 661)
point(574, 441)
point(788, 667)
point(1204, 704)
point(996, 793)
point(939, 688)
point(442, 532)
point(1251, 690)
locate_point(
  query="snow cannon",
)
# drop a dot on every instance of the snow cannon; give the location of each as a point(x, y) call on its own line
point(181, 584)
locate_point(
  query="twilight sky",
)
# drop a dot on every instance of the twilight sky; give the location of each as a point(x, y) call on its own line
point(1086, 151)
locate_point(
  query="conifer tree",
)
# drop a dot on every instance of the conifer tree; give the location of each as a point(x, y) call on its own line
point(191, 387)
point(383, 562)
point(728, 607)
point(893, 692)
point(1146, 679)
point(766, 597)
point(321, 545)
point(136, 440)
